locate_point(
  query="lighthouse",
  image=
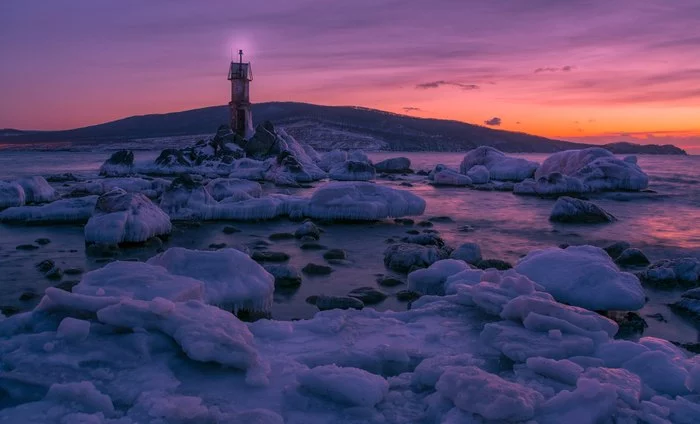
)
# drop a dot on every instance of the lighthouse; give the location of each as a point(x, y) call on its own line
point(240, 74)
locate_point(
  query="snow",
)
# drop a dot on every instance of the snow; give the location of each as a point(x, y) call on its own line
point(74, 210)
point(137, 280)
point(232, 280)
point(553, 184)
point(351, 386)
point(362, 201)
point(597, 168)
point(477, 391)
point(568, 209)
point(122, 217)
point(500, 166)
point(590, 403)
point(73, 329)
point(479, 174)
point(83, 393)
point(432, 279)
point(11, 195)
point(493, 290)
point(427, 373)
point(583, 276)
point(235, 188)
point(37, 190)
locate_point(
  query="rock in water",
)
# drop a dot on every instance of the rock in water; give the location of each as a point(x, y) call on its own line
point(671, 272)
point(286, 276)
point(479, 174)
point(500, 166)
point(121, 163)
point(352, 170)
point(122, 217)
point(308, 230)
point(632, 257)
point(325, 303)
point(554, 184)
point(616, 249)
point(597, 168)
point(404, 257)
point(467, 252)
point(315, 269)
point(368, 295)
point(583, 276)
point(442, 175)
point(570, 210)
point(398, 165)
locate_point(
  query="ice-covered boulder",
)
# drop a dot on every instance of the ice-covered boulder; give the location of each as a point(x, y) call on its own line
point(442, 175)
point(351, 170)
point(500, 166)
point(397, 165)
point(37, 190)
point(234, 188)
point(467, 252)
point(121, 217)
point(232, 280)
point(479, 174)
point(121, 163)
point(488, 395)
point(138, 280)
point(583, 276)
point(11, 195)
point(362, 201)
point(249, 169)
point(597, 168)
point(432, 279)
point(77, 210)
point(332, 158)
point(554, 184)
point(571, 210)
point(186, 199)
point(288, 169)
point(345, 385)
point(682, 271)
point(220, 150)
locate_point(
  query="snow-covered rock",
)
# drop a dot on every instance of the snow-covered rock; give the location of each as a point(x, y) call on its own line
point(329, 159)
point(584, 276)
point(141, 281)
point(682, 271)
point(597, 168)
point(351, 170)
point(121, 163)
point(350, 386)
point(11, 195)
point(500, 166)
point(479, 174)
point(404, 257)
point(288, 169)
point(362, 201)
point(122, 217)
point(432, 279)
point(232, 280)
point(571, 210)
point(554, 184)
point(394, 165)
point(250, 169)
point(467, 252)
point(77, 210)
point(37, 190)
point(442, 175)
point(233, 188)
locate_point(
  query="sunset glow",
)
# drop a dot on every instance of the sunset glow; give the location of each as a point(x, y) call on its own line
point(594, 71)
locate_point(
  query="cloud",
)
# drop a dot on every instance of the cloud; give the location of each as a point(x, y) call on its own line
point(494, 122)
point(567, 68)
point(411, 109)
point(436, 84)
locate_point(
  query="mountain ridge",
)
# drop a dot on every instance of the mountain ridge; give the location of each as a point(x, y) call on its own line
point(325, 128)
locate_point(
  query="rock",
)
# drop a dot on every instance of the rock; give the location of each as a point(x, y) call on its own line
point(368, 295)
point(217, 246)
point(630, 323)
point(11, 195)
point(286, 276)
point(230, 230)
point(102, 250)
point(616, 249)
point(425, 224)
point(672, 272)
point(493, 263)
point(27, 247)
point(259, 256)
point(413, 232)
point(441, 175)
point(308, 229)
point(427, 238)
point(632, 257)
point(443, 218)
point(54, 273)
point(398, 165)
point(281, 236)
point(406, 184)
point(312, 245)
point(42, 241)
point(335, 254)
point(67, 285)
point(325, 303)
point(73, 271)
point(404, 257)
point(389, 281)
point(45, 265)
point(407, 295)
point(479, 174)
point(121, 163)
point(404, 221)
point(570, 210)
point(467, 252)
point(28, 295)
point(465, 229)
point(315, 269)
point(9, 310)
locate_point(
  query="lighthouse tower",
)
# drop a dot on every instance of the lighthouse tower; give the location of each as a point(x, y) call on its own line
point(240, 74)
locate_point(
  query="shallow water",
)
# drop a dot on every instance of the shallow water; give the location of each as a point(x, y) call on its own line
point(662, 223)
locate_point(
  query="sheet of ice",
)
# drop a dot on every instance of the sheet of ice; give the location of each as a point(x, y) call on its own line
point(351, 386)
point(488, 395)
point(432, 279)
point(583, 276)
point(597, 168)
point(362, 201)
point(138, 280)
point(232, 280)
point(75, 210)
point(37, 190)
point(11, 195)
point(122, 217)
point(500, 166)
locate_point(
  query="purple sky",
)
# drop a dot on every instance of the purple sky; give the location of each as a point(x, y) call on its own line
point(594, 70)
